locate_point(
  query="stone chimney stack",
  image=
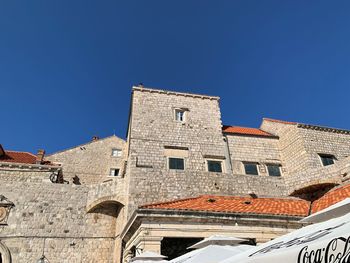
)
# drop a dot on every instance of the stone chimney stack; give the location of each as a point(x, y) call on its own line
point(95, 138)
point(40, 156)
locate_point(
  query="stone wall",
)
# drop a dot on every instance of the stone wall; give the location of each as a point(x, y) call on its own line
point(153, 129)
point(324, 142)
point(300, 146)
point(260, 150)
point(91, 162)
point(57, 214)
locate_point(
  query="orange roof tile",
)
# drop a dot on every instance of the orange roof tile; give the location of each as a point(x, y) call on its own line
point(279, 121)
point(246, 131)
point(18, 157)
point(333, 196)
point(236, 204)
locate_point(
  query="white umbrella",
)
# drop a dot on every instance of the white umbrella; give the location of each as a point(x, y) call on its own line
point(326, 242)
point(211, 254)
point(218, 240)
point(148, 257)
point(339, 209)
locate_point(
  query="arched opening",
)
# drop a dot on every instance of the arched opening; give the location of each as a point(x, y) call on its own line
point(313, 192)
point(5, 256)
point(111, 208)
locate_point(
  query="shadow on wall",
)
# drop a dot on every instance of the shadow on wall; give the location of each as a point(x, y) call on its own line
point(110, 208)
point(313, 192)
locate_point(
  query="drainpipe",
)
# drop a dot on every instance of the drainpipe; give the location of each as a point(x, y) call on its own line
point(227, 155)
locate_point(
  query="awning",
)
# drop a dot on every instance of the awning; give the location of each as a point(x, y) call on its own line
point(326, 242)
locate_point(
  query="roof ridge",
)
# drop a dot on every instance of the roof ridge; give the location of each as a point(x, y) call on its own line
point(169, 202)
point(279, 121)
point(241, 126)
point(246, 131)
point(89, 142)
point(142, 88)
point(284, 198)
point(20, 152)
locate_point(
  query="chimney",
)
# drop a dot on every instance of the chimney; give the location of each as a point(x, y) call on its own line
point(40, 156)
point(2, 151)
point(95, 138)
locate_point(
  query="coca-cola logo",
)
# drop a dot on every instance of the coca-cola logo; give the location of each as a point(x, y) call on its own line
point(336, 251)
point(300, 241)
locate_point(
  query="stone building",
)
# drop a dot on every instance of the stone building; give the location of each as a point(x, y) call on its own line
point(180, 176)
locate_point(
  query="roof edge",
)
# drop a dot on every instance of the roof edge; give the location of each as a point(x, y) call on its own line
point(280, 121)
point(323, 128)
point(160, 91)
point(87, 143)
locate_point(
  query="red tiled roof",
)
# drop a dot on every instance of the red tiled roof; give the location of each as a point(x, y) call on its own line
point(279, 121)
point(246, 131)
point(330, 198)
point(18, 157)
point(236, 204)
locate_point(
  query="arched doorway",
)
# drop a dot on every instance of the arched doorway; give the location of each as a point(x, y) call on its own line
point(5, 256)
point(313, 192)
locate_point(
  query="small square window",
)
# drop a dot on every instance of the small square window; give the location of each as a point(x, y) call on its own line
point(176, 164)
point(274, 169)
point(214, 166)
point(114, 172)
point(116, 153)
point(327, 159)
point(180, 115)
point(251, 168)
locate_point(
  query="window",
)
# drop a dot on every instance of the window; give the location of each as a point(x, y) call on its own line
point(176, 164)
point(327, 159)
point(214, 166)
point(180, 115)
point(114, 172)
point(251, 168)
point(274, 169)
point(116, 153)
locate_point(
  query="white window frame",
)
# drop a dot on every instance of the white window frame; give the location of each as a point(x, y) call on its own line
point(120, 152)
point(256, 164)
point(223, 167)
point(114, 169)
point(176, 110)
point(175, 157)
point(326, 154)
point(274, 164)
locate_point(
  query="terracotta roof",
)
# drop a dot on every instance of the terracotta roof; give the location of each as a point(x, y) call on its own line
point(236, 204)
point(246, 131)
point(18, 157)
point(279, 121)
point(333, 196)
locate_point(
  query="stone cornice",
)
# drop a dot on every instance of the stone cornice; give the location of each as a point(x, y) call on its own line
point(29, 166)
point(143, 89)
point(322, 128)
point(198, 216)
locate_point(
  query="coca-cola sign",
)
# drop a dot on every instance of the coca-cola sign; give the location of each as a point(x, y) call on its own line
point(336, 251)
point(299, 240)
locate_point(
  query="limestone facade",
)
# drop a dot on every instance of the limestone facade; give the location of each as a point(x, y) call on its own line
point(93, 215)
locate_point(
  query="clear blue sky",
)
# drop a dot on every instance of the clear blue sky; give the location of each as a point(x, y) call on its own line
point(67, 67)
